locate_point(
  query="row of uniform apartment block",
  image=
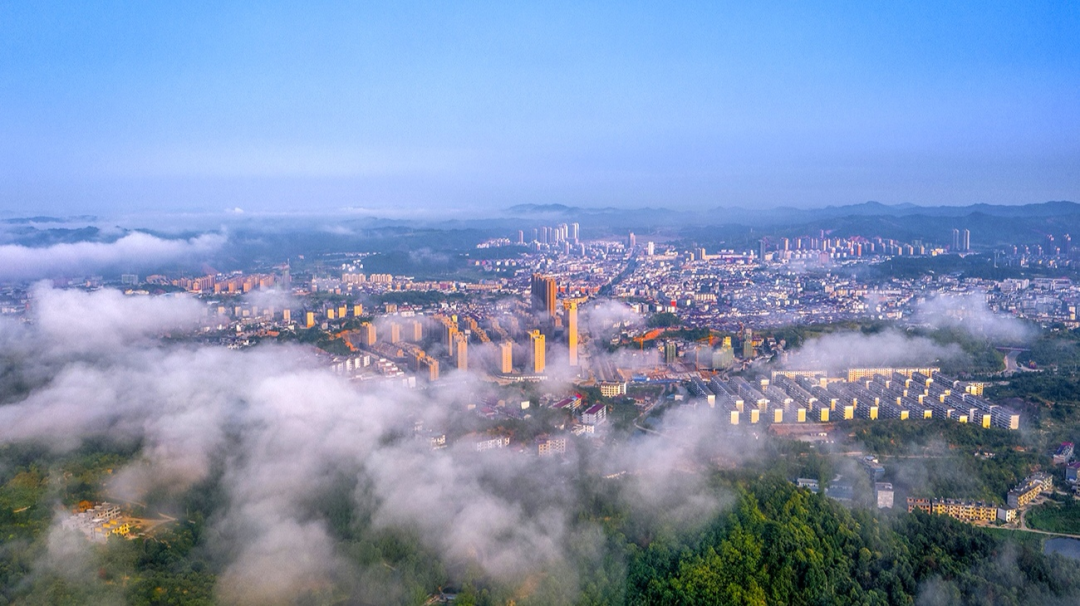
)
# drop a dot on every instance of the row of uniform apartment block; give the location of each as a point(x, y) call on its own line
point(978, 511)
point(867, 393)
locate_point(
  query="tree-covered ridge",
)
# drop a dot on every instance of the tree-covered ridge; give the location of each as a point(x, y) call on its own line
point(782, 545)
point(767, 543)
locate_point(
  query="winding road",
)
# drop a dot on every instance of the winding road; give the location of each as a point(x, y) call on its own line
point(1011, 367)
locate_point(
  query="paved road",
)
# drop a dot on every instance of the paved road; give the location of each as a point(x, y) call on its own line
point(645, 414)
point(1011, 366)
point(646, 429)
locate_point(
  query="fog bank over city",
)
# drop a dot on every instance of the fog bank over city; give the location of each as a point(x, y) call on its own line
point(281, 434)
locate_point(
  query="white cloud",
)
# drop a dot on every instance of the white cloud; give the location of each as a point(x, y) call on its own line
point(134, 252)
point(972, 314)
point(107, 319)
point(283, 431)
point(838, 351)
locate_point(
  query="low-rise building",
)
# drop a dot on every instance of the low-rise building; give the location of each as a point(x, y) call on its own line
point(883, 495)
point(550, 446)
point(1030, 489)
point(610, 389)
point(594, 415)
point(482, 443)
point(965, 511)
point(1071, 472)
point(98, 522)
point(841, 490)
point(1064, 453)
point(569, 403)
point(873, 468)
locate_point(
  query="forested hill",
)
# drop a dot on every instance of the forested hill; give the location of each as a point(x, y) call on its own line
point(783, 545)
point(772, 544)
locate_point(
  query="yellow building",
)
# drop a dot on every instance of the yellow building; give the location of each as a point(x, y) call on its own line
point(450, 331)
point(611, 389)
point(309, 321)
point(1030, 489)
point(431, 364)
point(965, 511)
point(854, 374)
point(551, 446)
point(461, 352)
point(506, 357)
point(572, 331)
point(367, 333)
point(539, 351)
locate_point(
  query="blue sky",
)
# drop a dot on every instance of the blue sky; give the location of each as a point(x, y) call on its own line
point(128, 107)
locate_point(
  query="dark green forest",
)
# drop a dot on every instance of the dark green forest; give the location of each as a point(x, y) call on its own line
point(771, 543)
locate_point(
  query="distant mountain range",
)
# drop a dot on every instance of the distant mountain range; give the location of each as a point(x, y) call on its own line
point(1042, 209)
point(720, 215)
point(991, 226)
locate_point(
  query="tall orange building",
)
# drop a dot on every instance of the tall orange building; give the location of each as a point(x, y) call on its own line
point(506, 357)
point(431, 364)
point(461, 351)
point(450, 330)
point(544, 291)
point(571, 331)
point(367, 333)
point(538, 351)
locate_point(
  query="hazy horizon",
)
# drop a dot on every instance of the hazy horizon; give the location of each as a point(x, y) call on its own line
point(201, 220)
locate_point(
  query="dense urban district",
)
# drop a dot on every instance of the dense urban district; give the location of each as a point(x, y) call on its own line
point(781, 419)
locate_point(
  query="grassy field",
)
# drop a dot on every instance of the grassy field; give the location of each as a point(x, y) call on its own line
point(1054, 517)
point(1032, 539)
